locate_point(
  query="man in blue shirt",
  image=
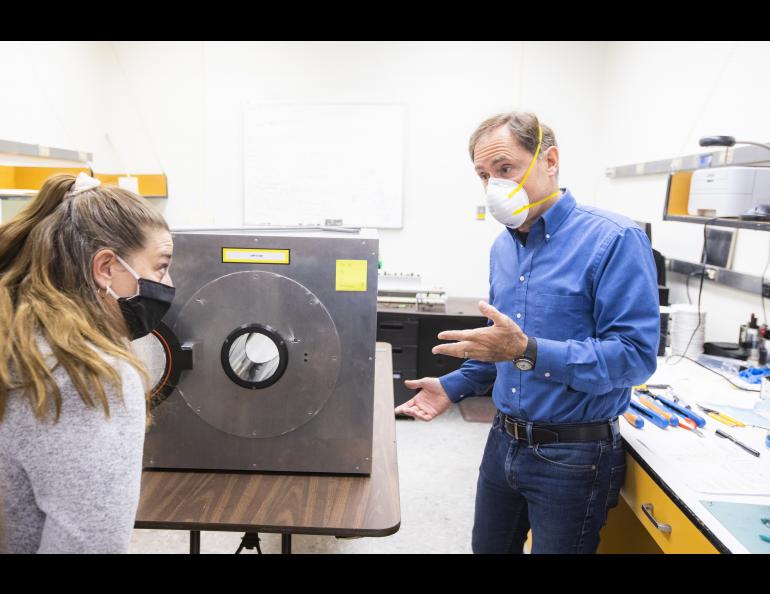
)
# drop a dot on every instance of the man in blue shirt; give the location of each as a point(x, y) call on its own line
point(574, 323)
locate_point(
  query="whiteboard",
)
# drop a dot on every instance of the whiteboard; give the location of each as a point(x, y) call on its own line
point(308, 163)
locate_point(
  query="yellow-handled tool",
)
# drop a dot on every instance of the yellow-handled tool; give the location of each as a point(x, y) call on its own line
point(721, 417)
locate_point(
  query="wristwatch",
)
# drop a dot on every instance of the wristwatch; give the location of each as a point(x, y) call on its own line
point(526, 361)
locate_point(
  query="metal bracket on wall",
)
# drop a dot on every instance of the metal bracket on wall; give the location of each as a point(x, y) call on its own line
point(11, 147)
point(721, 276)
point(743, 155)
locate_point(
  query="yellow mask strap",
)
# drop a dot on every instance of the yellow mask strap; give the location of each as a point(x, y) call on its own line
point(531, 204)
point(532, 163)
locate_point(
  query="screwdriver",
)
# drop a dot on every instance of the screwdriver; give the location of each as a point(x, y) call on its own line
point(684, 422)
point(654, 418)
point(721, 417)
point(634, 420)
point(672, 419)
point(680, 410)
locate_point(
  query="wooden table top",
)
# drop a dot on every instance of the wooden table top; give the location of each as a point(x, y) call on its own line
point(287, 503)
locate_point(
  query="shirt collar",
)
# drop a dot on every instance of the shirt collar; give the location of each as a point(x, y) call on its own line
point(555, 216)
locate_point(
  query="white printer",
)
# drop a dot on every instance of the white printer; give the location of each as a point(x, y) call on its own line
point(728, 191)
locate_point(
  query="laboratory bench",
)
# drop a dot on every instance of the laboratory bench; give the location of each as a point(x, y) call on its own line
point(687, 494)
point(676, 495)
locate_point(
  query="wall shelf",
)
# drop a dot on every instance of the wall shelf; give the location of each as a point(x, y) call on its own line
point(723, 222)
point(676, 207)
point(11, 147)
point(720, 276)
point(22, 177)
point(742, 155)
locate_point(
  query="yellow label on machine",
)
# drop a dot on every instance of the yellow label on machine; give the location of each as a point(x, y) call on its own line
point(351, 275)
point(252, 256)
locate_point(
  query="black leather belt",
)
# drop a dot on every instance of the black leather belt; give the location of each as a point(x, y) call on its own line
point(517, 429)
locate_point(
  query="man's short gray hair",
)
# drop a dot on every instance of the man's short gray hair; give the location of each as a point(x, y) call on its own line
point(522, 125)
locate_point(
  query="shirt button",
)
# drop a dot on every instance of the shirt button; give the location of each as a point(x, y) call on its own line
point(521, 278)
point(513, 390)
point(547, 374)
point(518, 315)
point(547, 236)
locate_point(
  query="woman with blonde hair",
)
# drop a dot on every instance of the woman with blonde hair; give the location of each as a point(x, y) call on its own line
point(83, 271)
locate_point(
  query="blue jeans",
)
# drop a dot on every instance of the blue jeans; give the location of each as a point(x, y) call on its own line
point(562, 491)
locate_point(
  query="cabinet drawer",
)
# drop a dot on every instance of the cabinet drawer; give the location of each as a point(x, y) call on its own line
point(430, 365)
point(400, 392)
point(398, 332)
point(676, 533)
point(404, 357)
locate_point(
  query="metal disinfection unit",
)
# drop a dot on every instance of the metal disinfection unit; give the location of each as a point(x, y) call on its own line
point(265, 361)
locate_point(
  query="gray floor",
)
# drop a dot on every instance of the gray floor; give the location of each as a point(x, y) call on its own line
point(438, 465)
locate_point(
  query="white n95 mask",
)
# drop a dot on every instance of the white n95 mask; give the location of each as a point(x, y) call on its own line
point(507, 200)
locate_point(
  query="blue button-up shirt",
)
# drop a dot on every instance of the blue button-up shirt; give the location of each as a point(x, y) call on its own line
point(584, 285)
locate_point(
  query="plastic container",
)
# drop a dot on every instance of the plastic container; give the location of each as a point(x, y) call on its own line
point(724, 365)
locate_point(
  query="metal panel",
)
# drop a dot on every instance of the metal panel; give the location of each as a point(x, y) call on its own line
point(318, 416)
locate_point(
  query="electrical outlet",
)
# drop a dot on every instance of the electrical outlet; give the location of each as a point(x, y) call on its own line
point(766, 290)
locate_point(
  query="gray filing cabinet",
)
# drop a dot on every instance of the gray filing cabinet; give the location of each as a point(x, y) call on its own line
point(412, 330)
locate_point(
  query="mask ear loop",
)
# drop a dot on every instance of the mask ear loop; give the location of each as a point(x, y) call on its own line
point(127, 267)
point(131, 271)
point(531, 164)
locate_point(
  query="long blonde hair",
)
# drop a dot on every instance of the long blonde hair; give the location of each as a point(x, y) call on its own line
point(47, 290)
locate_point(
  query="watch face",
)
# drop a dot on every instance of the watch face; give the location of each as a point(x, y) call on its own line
point(524, 365)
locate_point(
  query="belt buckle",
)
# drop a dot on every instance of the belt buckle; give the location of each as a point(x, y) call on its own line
point(510, 421)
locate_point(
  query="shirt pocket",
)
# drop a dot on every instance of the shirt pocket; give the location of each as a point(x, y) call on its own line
point(563, 317)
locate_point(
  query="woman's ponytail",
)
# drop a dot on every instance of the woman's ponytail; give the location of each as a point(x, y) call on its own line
point(14, 233)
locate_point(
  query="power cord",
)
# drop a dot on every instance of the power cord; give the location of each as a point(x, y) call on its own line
point(687, 284)
point(762, 288)
point(700, 288)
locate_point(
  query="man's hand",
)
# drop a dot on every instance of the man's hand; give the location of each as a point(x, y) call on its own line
point(503, 341)
point(428, 403)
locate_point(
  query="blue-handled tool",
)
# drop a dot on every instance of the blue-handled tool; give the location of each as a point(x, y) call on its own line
point(653, 417)
point(699, 420)
point(684, 422)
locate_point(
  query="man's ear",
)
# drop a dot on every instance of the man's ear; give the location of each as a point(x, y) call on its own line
point(102, 268)
point(552, 160)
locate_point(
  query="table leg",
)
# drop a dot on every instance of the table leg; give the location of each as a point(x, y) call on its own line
point(195, 542)
point(286, 544)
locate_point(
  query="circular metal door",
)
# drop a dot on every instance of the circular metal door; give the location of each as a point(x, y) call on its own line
point(267, 354)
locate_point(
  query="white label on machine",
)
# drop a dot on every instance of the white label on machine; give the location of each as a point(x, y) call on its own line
point(252, 256)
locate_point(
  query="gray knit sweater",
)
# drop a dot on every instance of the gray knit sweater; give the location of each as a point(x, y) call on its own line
point(73, 486)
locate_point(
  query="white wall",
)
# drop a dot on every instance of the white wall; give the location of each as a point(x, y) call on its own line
point(177, 107)
point(660, 98)
point(51, 94)
point(448, 88)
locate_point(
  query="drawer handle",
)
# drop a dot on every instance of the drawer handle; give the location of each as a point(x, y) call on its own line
point(397, 350)
point(647, 509)
point(392, 326)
